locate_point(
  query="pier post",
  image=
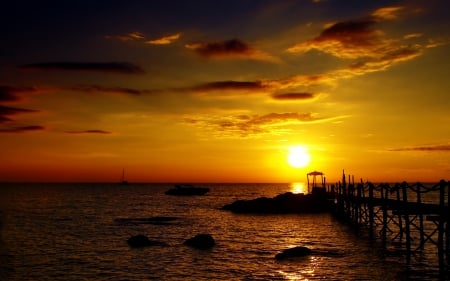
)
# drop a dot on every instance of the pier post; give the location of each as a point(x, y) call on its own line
point(371, 213)
point(400, 223)
point(442, 214)
point(358, 204)
point(407, 223)
point(384, 196)
point(422, 232)
point(447, 231)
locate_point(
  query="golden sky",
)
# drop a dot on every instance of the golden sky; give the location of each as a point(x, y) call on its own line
point(220, 91)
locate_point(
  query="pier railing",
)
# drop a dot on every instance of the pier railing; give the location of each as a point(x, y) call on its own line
point(409, 215)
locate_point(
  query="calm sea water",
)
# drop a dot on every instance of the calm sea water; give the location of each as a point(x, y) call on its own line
point(71, 232)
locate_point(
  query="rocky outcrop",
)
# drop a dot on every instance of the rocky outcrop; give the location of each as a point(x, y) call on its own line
point(293, 253)
point(284, 203)
point(140, 241)
point(200, 241)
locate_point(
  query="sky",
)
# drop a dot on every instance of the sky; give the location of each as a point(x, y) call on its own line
point(222, 91)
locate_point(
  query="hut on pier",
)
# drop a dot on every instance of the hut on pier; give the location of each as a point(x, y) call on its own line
point(313, 185)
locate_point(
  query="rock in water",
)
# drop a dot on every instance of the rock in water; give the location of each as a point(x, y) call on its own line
point(200, 241)
point(293, 253)
point(139, 241)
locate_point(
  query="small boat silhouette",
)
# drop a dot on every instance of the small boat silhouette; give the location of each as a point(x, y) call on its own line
point(123, 181)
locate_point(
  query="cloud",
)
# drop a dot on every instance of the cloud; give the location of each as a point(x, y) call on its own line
point(4, 119)
point(108, 67)
point(233, 48)
point(357, 68)
point(8, 93)
point(116, 90)
point(6, 111)
point(360, 39)
point(253, 125)
point(293, 96)
point(230, 85)
point(22, 129)
point(430, 148)
point(89, 132)
point(299, 80)
point(140, 37)
point(413, 35)
point(132, 36)
point(347, 39)
point(164, 40)
point(387, 13)
point(363, 43)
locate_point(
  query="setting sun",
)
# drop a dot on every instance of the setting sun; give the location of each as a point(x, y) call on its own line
point(298, 156)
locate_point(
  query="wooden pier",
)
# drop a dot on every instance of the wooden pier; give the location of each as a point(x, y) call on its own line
point(410, 216)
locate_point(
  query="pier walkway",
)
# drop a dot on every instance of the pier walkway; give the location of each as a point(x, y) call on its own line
point(411, 216)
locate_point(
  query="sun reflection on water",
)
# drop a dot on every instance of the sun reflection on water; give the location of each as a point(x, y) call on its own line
point(298, 187)
point(305, 273)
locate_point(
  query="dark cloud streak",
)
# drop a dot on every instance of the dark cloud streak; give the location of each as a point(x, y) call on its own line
point(293, 96)
point(431, 148)
point(230, 85)
point(108, 67)
point(8, 94)
point(229, 47)
point(6, 111)
point(22, 129)
point(118, 90)
point(233, 48)
point(102, 132)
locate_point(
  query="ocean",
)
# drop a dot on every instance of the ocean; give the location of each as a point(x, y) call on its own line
point(78, 231)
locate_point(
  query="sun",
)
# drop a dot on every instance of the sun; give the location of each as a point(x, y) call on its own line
point(298, 156)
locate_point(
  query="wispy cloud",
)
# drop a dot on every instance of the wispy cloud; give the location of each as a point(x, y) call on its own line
point(95, 131)
point(430, 148)
point(22, 129)
point(363, 43)
point(253, 125)
point(109, 67)
point(8, 94)
point(116, 90)
point(293, 96)
point(8, 124)
point(6, 111)
point(229, 49)
point(164, 40)
point(413, 35)
point(140, 37)
point(229, 85)
point(135, 35)
point(388, 13)
point(360, 39)
point(347, 39)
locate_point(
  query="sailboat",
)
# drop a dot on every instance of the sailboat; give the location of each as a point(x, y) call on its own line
point(123, 181)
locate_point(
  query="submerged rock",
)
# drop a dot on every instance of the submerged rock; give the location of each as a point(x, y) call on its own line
point(139, 241)
point(200, 241)
point(293, 253)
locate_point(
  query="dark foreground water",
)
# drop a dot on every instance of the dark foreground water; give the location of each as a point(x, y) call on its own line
point(72, 232)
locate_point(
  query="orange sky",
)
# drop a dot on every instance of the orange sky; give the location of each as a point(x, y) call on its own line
point(218, 91)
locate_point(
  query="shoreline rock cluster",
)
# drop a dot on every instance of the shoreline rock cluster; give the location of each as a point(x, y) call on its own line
point(285, 203)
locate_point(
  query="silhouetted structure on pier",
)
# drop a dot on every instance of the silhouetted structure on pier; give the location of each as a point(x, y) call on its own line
point(400, 213)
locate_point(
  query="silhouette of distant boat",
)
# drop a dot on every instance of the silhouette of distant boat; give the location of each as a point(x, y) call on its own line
point(187, 190)
point(123, 181)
